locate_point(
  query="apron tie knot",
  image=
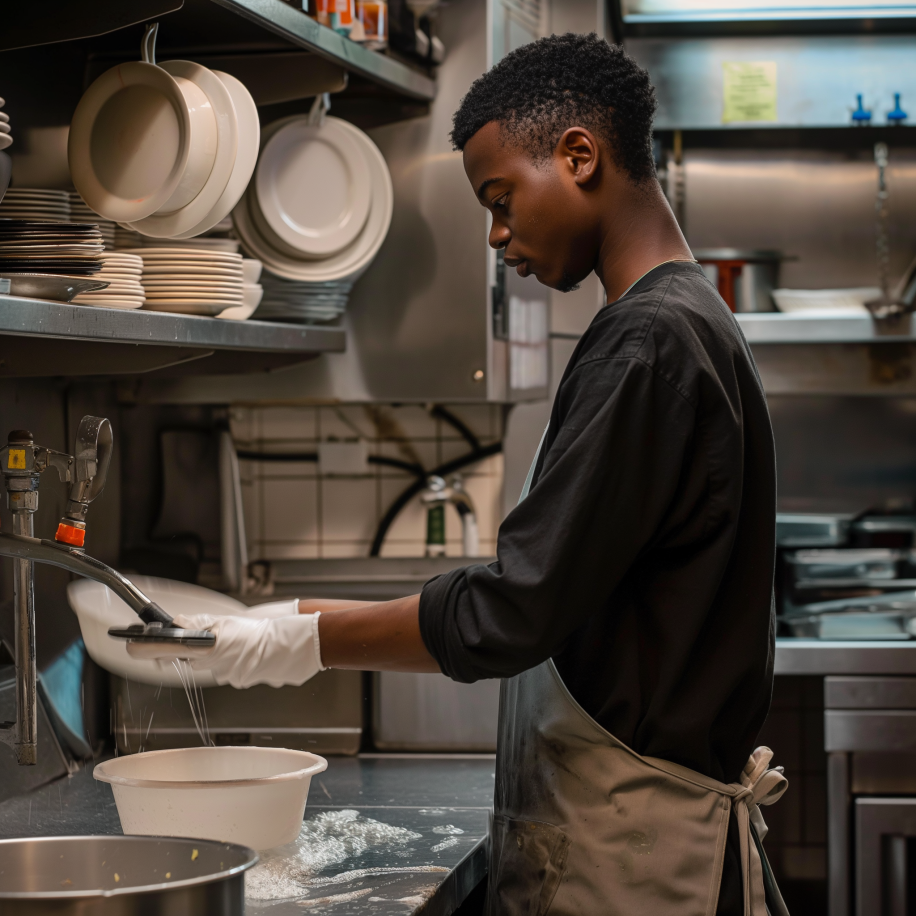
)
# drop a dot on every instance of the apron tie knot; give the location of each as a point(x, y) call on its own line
point(759, 786)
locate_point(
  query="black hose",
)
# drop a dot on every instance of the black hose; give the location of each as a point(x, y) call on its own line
point(443, 413)
point(417, 486)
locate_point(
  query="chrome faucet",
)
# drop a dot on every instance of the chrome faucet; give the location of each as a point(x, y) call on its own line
point(21, 463)
point(435, 497)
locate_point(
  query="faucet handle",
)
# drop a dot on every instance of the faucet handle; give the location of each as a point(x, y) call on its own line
point(92, 458)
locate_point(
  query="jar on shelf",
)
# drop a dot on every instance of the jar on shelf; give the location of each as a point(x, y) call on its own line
point(336, 14)
point(372, 15)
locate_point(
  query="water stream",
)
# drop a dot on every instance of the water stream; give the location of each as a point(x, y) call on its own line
point(195, 697)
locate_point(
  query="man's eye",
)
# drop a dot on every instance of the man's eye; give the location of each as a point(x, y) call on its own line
point(501, 201)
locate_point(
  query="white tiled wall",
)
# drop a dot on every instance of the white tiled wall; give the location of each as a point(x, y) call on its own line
point(293, 512)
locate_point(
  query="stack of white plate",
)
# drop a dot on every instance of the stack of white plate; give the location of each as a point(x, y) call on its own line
point(201, 244)
point(36, 204)
point(122, 272)
point(6, 137)
point(81, 212)
point(316, 213)
point(127, 238)
point(166, 149)
point(191, 281)
point(62, 249)
point(252, 291)
point(305, 303)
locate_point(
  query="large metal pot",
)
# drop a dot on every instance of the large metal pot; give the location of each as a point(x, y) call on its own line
point(122, 876)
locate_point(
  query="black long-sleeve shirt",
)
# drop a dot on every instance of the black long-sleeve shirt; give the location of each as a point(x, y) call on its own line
point(642, 559)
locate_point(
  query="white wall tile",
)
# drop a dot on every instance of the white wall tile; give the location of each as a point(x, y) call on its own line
point(289, 510)
point(287, 423)
point(349, 508)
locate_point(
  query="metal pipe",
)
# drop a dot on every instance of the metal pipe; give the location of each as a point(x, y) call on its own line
point(43, 551)
point(26, 672)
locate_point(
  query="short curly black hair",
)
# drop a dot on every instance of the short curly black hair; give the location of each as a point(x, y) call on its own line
point(541, 89)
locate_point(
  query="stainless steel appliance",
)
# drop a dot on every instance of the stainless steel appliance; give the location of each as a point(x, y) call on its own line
point(122, 876)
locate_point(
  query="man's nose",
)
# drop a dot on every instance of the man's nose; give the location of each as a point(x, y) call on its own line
point(499, 236)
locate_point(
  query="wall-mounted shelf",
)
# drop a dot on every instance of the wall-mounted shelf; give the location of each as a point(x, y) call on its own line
point(40, 338)
point(295, 26)
point(777, 328)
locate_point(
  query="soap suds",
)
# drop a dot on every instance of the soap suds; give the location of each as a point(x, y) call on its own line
point(448, 830)
point(445, 844)
point(326, 839)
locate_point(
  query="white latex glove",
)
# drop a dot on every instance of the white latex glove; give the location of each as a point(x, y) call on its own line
point(288, 607)
point(277, 651)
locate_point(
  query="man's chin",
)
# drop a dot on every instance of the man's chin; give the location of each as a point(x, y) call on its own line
point(567, 284)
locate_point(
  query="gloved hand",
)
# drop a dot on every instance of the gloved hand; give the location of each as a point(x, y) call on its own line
point(288, 607)
point(276, 651)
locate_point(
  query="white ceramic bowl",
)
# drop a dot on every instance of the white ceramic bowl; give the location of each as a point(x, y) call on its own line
point(132, 138)
point(254, 796)
point(825, 301)
point(251, 270)
point(251, 299)
point(164, 224)
point(249, 133)
point(98, 608)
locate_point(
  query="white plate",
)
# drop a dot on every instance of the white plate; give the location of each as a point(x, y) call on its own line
point(182, 296)
point(228, 246)
point(188, 306)
point(138, 114)
point(348, 263)
point(112, 303)
point(247, 157)
point(312, 185)
point(5, 141)
point(166, 226)
point(185, 254)
point(234, 288)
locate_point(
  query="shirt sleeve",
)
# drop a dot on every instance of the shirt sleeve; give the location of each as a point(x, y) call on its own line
point(605, 486)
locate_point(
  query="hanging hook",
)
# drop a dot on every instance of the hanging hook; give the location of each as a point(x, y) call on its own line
point(148, 44)
point(320, 107)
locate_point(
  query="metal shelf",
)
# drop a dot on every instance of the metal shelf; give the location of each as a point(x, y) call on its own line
point(40, 338)
point(296, 27)
point(777, 328)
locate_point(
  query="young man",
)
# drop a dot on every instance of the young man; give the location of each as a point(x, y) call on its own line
point(630, 610)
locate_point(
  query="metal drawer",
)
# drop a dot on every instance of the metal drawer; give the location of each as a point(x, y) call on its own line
point(870, 692)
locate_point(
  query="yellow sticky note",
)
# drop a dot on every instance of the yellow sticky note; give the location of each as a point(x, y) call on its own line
point(748, 91)
point(16, 459)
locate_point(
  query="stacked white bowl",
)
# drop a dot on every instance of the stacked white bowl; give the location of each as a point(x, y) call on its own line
point(166, 149)
point(315, 214)
point(252, 291)
point(37, 205)
point(122, 272)
point(191, 281)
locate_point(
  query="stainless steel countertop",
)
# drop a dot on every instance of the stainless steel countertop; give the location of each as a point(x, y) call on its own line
point(823, 657)
point(418, 793)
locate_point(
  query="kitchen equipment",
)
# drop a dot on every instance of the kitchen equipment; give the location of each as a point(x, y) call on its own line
point(308, 303)
point(250, 795)
point(812, 530)
point(168, 223)
point(886, 616)
point(141, 140)
point(122, 875)
point(865, 564)
point(30, 246)
point(99, 609)
point(51, 286)
point(825, 301)
point(745, 278)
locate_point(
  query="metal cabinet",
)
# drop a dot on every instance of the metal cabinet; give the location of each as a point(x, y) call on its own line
point(870, 739)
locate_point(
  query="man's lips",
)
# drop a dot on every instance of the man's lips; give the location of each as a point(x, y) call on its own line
point(520, 265)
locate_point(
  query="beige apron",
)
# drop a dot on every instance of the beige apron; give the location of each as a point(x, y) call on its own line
point(584, 826)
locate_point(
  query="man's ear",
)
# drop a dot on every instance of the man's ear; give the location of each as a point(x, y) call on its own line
point(580, 154)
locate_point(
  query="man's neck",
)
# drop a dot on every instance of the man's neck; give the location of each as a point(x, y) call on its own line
point(640, 234)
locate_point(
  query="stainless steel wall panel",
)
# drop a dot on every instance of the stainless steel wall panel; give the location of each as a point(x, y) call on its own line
point(870, 692)
point(873, 730)
point(818, 77)
point(816, 207)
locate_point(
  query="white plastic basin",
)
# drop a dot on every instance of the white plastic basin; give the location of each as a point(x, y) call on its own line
point(254, 796)
point(98, 608)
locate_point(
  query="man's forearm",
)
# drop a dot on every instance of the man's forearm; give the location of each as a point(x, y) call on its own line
point(375, 637)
